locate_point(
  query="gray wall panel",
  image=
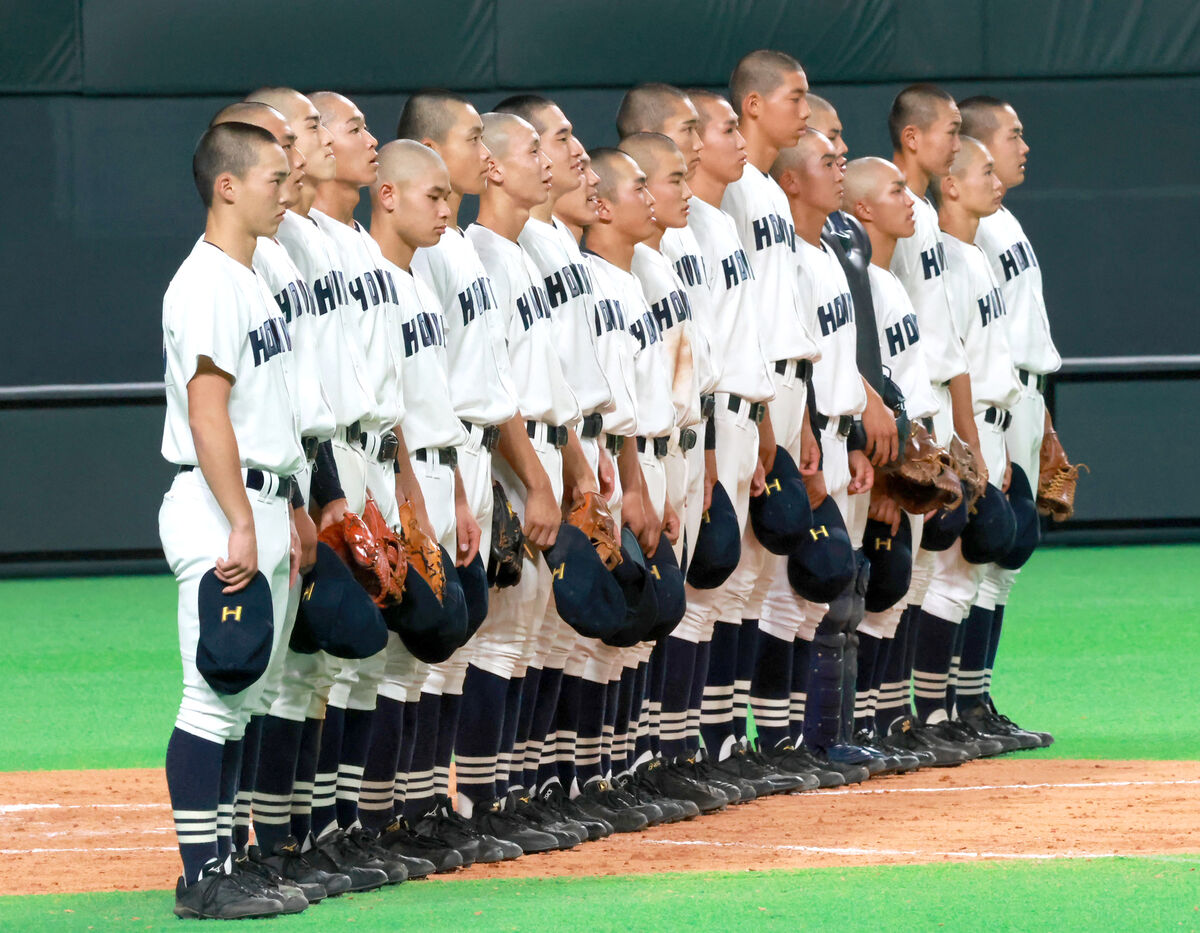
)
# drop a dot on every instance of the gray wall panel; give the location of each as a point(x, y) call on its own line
point(40, 46)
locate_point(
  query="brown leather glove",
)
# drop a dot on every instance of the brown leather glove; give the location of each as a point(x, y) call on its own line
point(922, 480)
point(1056, 479)
point(590, 515)
point(962, 460)
point(422, 551)
point(370, 549)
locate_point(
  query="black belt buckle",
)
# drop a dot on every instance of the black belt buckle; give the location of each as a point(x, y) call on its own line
point(708, 405)
point(687, 439)
point(758, 411)
point(1002, 419)
point(820, 422)
point(592, 425)
point(660, 446)
point(804, 370)
point(615, 443)
point(257, 480)
point(491, 437)
point(781, 367)
point(1037, 380)
point(845, 423)
point(446, 456)
point(354, 433)
point(310, 445)
point(557, 434)
point(389, 446)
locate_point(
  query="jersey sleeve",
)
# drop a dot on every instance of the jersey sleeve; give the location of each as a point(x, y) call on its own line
point(207, 319)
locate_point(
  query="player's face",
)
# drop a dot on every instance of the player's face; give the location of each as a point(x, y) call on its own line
point(353, 145)
point(980, 189)
point(892, 207)
point(464, 153)
point(633, 205)
point(526, 168)
point(282, 131)
point(822, 179)
point(683, 126)
point(563, 149)
point(668, 186)
point(826, 123)
point(262, 192)
point(1008, 147)
point(423, 207)
point(724, 156)
point(314, 140)
point(579, 207)
point(784, 113)
point(938, 143)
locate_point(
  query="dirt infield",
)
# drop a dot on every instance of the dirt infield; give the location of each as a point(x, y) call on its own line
point(64, 831)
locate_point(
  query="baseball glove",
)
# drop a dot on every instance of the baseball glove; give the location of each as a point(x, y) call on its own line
point(962, 460)
point(921, 480)
point(591, 516)
point(369, 548)
point(422, 551)
point(508, 542)
point(1057, 478)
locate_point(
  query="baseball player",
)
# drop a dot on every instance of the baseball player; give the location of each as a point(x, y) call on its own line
point(1015, 266)
point(233, 427)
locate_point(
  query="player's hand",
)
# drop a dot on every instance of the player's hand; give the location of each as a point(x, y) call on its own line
point(542, 517)
point(606, 475)
point(710, 477)
point(239, 568)
point(862, 476)
point(633, 514)
point(815, 486)
point(883, 441)
point(293, 556)
point(468, 534)
point(984, 476)
point(332, 513)
point(652, 528)
point(758, 482)
point(307, 531)
point(1007, 475)
point(766, 447)
point(810, 451)
point(883, 508)
point(670, 523)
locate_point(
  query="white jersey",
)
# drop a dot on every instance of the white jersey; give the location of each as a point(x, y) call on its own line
point(616, 348)
point(429, 418)
point(651, 379)
point(372, 294)
point(920, 263)
point(900, 344)
point(296, 303)
point(736, 316)
point(476, 354)
point(218, 308)
point(837, 385)
point(679, 244)
point(542, 390)
point(760, 210)
point(981, 318)
point(568, 288)
point(1016, 268)
point(672, 313)
point(337, 340)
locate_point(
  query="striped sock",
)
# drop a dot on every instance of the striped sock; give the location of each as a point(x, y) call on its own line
point(451, 704)
point(324, 790)
point(747, 658)
point(279, 750)
point(251, 742)
point(612, 701)
point(306, 772)
point(592, 705)
point(771, 688)
point(507, 756)
point(977, 633)
point(541, 725)
point(960, 635)
point(716, 712)
point(478, 742)
point(866, 694)
point(356, 739)
point(655, 685)
point(679, 663)
point(993, 647)
point(231, 772)
point(375, 806)
point(566, 735)
point(418, 792)
point(194, 781)
point(931, 670)
point(798, 697)
point(637, 745)
point(696, 696)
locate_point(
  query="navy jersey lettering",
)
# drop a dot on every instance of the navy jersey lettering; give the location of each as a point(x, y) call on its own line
point(533, 305)
point(773, 229)
point(609, 316)
point(688, 269)
point(269, 339)
point(1016, 259)
point(991, 306)
point(903, 333)
point(736, 269)
point(835, 313)
point(424, 330)
point(933, 261)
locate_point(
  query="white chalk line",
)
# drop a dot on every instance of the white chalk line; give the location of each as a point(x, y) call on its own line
point(983, 787)
point(917, 853)
point(91, 849)
point(6, 808)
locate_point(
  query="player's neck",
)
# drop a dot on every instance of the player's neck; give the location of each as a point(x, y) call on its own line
point(454, 202)
point(760, 151)
point(808, 221)
point(544, 212)
point(883, 247)
point(611, 245)
point(576, 230)
point(231, 238)
point(706, 188)
point(917, 177)
point(308, 194)
point(655, 241)
point(338, 199)
point(958, 222)
point(500, 215)
point(391, 244)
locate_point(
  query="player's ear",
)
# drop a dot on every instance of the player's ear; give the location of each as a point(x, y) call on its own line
point(751, 105)
point(225, 188)
point(387, 196)
point(495, 174)
point(860, 209)
point(908, 138)
point(789, 182)
point(949, 187)
point(604, 211)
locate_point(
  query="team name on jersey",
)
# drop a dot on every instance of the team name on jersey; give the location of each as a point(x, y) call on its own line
point(372, 288)
point(772, 230)
point(672, 309)
point(933, 261)
point(904, 333)
point(610, 316)
point(329, 290)
point(690, 270)
point(570, 281)
point(533, 306)
point(475, 299)
point(295, 299)
point(736, 269)
point(834, 314)
point(424, 330)
point(269, 339)
point(644, 329)
point(1016, 259)
point(991, 306)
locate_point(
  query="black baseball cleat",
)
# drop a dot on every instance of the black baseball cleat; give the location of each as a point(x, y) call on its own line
point(785, 782)
point(598, 800)
point(792, 760)
point(854, 774)
point(367, 842)
point(632, 791)
point(555, 799)
point(956, 733)
point(222, 895)
point(736, 789)
point(977, 729)
point(335, 854)
point(909, 735)
point(443, 822)
point(1045, 739)
point(678, 780)
point(294, 866)
point(568, 832)
point(492, 819)
point(895, 762)
point(426, 854)
point(251, 867)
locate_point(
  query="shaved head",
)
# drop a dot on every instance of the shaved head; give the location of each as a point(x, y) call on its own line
point(612, 166)
point(917, 105)
point(867, 178)
point(704, 100)
point(234, 147)
point(972, 151)
point(528, 107)
point(812, 143)
point(292, 104)
point(761, 72)
point(819, 104)
point(402, 160)
point(645, 108)
point(430, 114)
point(980, 115)
point(647, 149)
point(498, 130)
point(253, 113)
point(329, 102)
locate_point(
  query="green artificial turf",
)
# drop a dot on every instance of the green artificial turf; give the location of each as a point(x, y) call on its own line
point(1099, 647)
point(1094, 895)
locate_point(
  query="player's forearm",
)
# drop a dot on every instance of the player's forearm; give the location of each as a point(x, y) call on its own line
point(218, 458)
point(460, 491)
point(577, 472)
point(962, 405)
point(630, 470)
point(518, 452)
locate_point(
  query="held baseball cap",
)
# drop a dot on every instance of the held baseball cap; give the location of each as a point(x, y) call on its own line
point(891, 563)
point(335, 614)
point(944, 528)
point(781, 515)
point(1029, 524)
point(668, 590)
point(586, 595)
point(637, 587)
point(474, 580)
point(718, 544)
point(822, 564)
point(234, 645)
point(991, 528)
point(432, 629)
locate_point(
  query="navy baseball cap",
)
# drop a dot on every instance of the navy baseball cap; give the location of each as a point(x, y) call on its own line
point(1029, 524)
point(718, 545)
point(991, 528)
point(891, 563)
point(637, 587)
point(236, 630)
point(781, 515)
point(335, 613)
point(432, 629)
point(944, 528)
point(668, 590)
point(474, 580)
point(586, 595)
point(822, 564)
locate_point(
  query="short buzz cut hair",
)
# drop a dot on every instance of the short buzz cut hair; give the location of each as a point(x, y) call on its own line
point(699, 95)
point(645, 108)
point(761, 70)
point(226, 147)
point(526, 106)
point(915, 106)
point(979, 115)
point(604, 163)
point(428, 114)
